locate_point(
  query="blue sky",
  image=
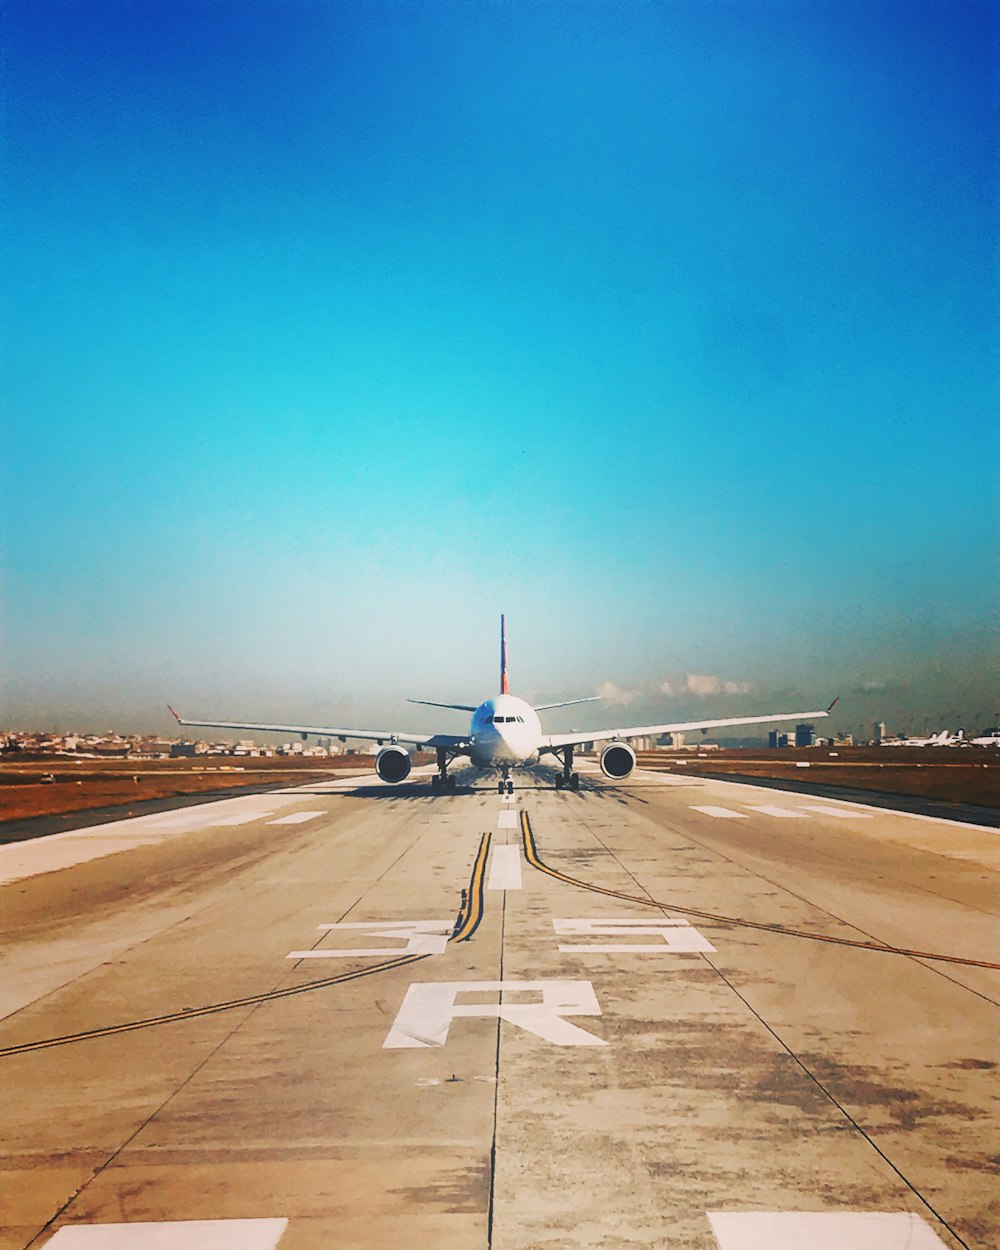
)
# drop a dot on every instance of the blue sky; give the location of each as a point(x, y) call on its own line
point(331, 331)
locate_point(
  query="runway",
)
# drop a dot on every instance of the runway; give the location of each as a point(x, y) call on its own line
point(678, 1012)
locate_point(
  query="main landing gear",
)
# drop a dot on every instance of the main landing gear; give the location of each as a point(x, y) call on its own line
point(443, 782)
point(567, 779)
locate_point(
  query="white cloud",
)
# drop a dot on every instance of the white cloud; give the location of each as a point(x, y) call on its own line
point(667, 688)
point(616, 694)
point(702, 685)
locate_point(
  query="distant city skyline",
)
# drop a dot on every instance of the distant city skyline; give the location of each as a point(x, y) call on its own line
point(331, 332)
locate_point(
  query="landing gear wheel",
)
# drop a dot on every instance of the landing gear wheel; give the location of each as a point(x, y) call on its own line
point(451, 785)
point(501, 787)
point(559, 781)
point(435, 784)
point(574, 781)
point(510, 787)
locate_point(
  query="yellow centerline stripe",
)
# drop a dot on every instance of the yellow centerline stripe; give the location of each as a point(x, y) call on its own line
point(472, 912)
point(531, 855)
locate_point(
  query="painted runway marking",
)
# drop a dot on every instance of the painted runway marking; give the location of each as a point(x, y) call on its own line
point(172, 1235)
point(505, 868)
point(296, 818)
point(428, 1009)
point(422, 937)
point(676, 936)
point(822, 1230)
point(838, 812)
point(721, 813)
point(507, 819)
point(779, 813)
point(242, 818)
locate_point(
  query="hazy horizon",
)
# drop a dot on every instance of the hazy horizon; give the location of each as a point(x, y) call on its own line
point(331, 332)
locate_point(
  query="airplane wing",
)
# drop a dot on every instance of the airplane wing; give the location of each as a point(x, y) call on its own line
point(645, 731)
point(544, 707)
point(325, 731)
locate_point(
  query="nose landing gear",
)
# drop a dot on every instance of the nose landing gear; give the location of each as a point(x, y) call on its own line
point(505, 785)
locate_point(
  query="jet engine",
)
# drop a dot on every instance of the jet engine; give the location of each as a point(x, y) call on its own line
point(393, 764)
point(617, 760)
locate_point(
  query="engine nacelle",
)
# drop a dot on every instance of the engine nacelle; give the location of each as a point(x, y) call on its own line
point(392, 764)
point(617, 760)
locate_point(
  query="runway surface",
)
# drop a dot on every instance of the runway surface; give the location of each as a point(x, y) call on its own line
point(674, 1013)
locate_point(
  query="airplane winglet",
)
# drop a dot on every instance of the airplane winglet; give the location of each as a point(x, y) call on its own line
point(174, 714)
point(833, 705)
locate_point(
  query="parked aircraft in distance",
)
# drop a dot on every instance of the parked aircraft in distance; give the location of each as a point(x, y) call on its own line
point(505, 733)
point(988, 738)
point(943, 739)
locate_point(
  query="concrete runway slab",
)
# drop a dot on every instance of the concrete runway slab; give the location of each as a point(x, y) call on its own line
point(722, 1056)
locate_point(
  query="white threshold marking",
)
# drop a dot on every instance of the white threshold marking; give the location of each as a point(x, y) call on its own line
point(720, 813)
point(507, 819)
point(866, 807)
point(172, 1235)
point(823, 1230)
point(838, 812)
point(296, 818)
point(505, 868)
point(779, 813)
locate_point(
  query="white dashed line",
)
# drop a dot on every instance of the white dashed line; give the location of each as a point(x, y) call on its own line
point(505, 868)
point(507, 819)
point(721, 813)
point(837, 812)
point(296, 818)
point(779, 813)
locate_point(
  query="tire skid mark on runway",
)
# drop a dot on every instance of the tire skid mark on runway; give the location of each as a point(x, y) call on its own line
point(195, 1013)
point(532, 856)
point(469, 917)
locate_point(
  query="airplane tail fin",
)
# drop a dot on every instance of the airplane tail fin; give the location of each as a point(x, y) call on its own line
point(504, 681)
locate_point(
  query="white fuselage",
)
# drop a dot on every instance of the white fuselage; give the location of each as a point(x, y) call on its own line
point(505, 731)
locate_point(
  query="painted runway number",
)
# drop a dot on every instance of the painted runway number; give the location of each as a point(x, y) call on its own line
point(676, 936)
point(422, 937)
point(427, 1011)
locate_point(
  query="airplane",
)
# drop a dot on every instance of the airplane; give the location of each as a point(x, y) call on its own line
point(505, 733)
point(943, 739)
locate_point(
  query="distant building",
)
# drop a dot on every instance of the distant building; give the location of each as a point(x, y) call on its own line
point(803, 735)
point(185, 750)
point(880, 733)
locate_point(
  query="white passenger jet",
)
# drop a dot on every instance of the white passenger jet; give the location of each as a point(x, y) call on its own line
point(505, 733)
